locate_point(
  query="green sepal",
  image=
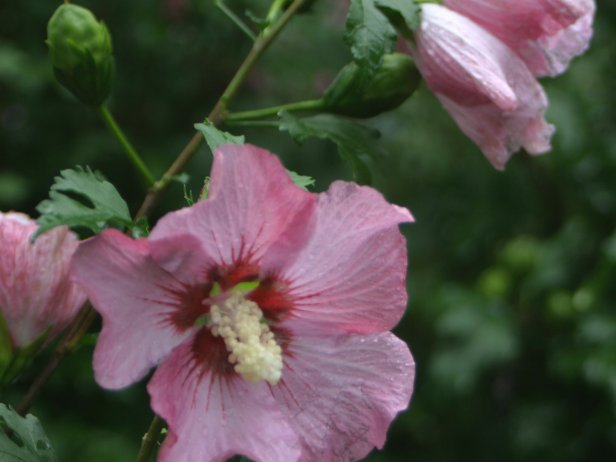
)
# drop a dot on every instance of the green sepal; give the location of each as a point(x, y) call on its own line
point(357, 94)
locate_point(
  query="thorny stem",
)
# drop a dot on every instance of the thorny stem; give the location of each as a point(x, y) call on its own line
point(218, 114)
point(309, 105)
point(126, 146)
point(74, 332)
point(149, 439)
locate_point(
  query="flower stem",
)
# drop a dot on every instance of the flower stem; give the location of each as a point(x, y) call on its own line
point(74, 332)
point(274, 12)
point(309, 105)
point(217, 115)
point(126, 146)
point(149, 439)
point(254, 123)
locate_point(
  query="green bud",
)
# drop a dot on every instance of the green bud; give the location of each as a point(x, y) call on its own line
point(80, 53)
point(354, 94)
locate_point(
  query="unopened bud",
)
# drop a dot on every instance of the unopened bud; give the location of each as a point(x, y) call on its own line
point(80, 53)
point(351, 93)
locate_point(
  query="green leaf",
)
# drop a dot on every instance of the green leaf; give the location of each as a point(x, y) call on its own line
point(23, 439)
point(402, 14)
point(82, 198)
point(215, 137)
point(140, 228)
point(355, 142)
point(369, 34)
point(300, 180)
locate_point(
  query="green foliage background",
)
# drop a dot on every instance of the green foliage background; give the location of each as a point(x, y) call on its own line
point(512, 275)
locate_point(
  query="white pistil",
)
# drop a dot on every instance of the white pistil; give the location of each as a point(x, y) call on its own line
point(250, 342)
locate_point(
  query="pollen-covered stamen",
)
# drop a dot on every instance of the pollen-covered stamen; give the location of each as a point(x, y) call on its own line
point(249, 340)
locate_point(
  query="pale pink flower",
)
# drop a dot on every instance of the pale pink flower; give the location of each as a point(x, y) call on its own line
point(486, 88)
point(36, 295)
point(302, 367)
point(546, 34)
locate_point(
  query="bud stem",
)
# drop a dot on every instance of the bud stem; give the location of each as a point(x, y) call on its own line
point(74, 332)
point(308, 105)
point(149, 439)
point(217, 115)
point(126, 146)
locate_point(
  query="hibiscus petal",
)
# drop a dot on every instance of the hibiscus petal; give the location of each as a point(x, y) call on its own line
point(252, 202)
point(558, 50)
point(447, 41)
point(135, 298)
point(35, 291)
point(213, 417)
point(546, 34)
point(351, 272)
point(341, 393)
point(499, 134)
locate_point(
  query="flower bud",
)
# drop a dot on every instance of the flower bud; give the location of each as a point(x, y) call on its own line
point(351, 93)
point(80, 53)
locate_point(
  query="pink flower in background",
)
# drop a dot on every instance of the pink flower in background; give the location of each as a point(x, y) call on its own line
point(36, 294)
point(546, 34)
point(487, 89)
point(268, 309)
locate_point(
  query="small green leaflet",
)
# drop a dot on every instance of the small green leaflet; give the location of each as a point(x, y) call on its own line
point(300, 180)
point(214, 137)
point(355, 142)
point(81, 198)
point(402, 14)
point(23, 439)
point(369, 34)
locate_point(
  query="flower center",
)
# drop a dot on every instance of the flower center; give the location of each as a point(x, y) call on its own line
point(249, 340)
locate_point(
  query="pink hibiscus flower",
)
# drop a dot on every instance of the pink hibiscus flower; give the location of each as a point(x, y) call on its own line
point(485, 87)
point(546, 34)
point(268, 309)
point(36, 295)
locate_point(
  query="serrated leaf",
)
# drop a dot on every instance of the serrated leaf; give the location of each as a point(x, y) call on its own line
point(22, 439)
point(355, 142)
point(369, 34)
point(301, 180)
point(215, 137)
point(82, 198)
point(402, 14)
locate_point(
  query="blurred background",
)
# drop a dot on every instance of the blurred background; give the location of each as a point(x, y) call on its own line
point(512, 317)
